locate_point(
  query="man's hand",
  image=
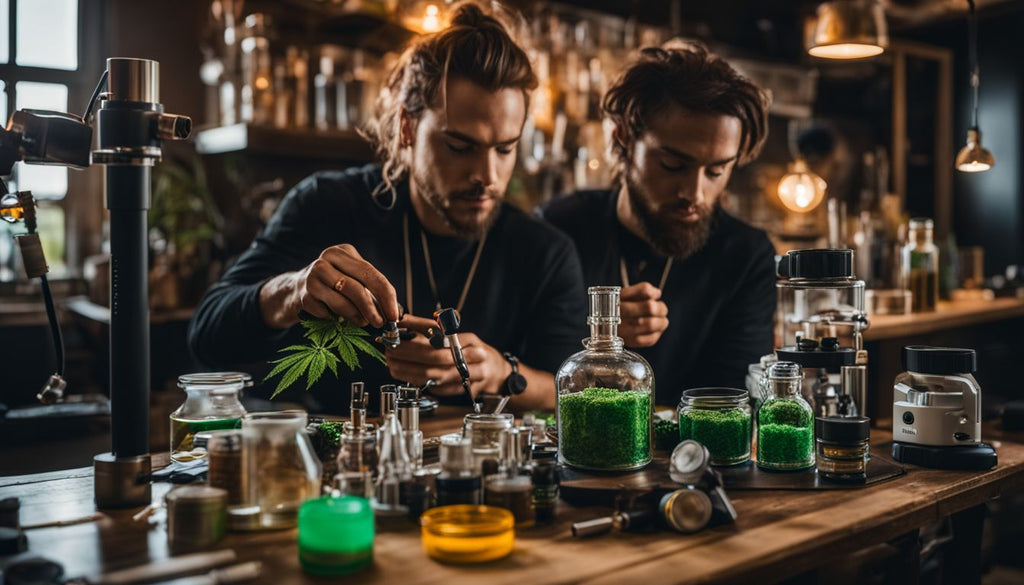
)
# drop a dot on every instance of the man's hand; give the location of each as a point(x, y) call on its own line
point(644, 315)
point(415, 361)
point(338, 283)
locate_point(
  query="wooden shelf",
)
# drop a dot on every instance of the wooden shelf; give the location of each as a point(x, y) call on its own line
point(346, 145)
point(947, 316)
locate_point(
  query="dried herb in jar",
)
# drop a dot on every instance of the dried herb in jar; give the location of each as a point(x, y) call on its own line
point(604, 428)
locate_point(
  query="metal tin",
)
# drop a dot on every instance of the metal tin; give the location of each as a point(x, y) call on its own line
point(686, 510)
point(224, 451)
point(196, 517)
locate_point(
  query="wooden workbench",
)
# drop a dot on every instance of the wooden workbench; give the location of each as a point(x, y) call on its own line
point(778, 534)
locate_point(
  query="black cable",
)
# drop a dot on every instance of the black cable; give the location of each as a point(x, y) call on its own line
point(972, 52)
point(51, 314)
point(95, 94)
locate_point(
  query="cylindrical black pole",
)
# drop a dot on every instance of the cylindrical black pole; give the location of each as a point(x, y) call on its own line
point(128, 197)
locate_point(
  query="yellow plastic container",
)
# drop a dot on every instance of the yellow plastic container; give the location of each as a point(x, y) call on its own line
point(465, 534)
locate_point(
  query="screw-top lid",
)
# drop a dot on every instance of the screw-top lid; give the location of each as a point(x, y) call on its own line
point(215, 379)
point(785, 370)
point(842, 429)
point(688, 461)
point(816, 263)
point(941, 361)
point(686, 510)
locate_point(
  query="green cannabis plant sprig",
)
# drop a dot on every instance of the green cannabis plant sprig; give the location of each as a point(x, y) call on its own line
point(330, 341)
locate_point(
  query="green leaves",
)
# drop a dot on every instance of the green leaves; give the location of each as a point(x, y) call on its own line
point(330, 341)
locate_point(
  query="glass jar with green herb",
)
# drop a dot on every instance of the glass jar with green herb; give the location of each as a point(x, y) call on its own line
point(785, 422)
point(605, 396)
point(211, 403)
point(719, 419)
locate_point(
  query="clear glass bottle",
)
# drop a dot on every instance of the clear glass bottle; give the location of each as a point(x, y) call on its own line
point(920, 262)
point(357, 448)
point(785, 422)
point(393, 470)
point(719, 419)
point(459, 481)
point(280, 465)
point(211, 403)
point(605, 396)
point(257, 95)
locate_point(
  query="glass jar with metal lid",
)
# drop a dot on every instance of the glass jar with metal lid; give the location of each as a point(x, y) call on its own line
point(719, 419)
point(211, 403)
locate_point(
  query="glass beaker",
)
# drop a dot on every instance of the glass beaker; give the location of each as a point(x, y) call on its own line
point(281, 467)
point(211, 403)
point(484, 430)
point(605, 396)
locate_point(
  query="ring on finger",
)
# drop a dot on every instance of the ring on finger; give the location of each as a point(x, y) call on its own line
point(339, 284)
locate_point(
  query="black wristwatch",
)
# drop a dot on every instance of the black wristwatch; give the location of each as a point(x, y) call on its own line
point(516, 382)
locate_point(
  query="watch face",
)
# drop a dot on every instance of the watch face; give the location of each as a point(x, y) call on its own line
point(516, 383)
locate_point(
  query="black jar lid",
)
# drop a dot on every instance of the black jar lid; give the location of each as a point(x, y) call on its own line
point(842, 429)
point(941, 361)
point(816, 263)
point(12, 541)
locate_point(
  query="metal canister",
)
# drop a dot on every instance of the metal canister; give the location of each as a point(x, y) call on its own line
point(686, 510)
point(224, 450)
point(196, 517)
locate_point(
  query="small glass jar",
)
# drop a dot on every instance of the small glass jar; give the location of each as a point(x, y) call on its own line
point(843, 448)
point(357, 449)
point(484, 430)
point(605, 396)
point(280, 465)
point(335, 535)
point(785, 431)
point(920, 265)
point(719, 419)
point(211, 403)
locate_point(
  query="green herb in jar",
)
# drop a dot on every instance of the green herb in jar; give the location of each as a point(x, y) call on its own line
point(726, 433)
point(604, 428)
point(666, 434)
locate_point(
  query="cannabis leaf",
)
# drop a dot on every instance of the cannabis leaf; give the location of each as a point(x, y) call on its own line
point(330, 341)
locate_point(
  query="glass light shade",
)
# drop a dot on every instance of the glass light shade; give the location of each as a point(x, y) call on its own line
point(425, 16)
point(973, 157)
point(800, 190)
point(849, 29)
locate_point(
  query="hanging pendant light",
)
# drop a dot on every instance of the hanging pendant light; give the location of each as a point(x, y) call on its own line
point(973, 157)
point(849, 29)
point(801, 190)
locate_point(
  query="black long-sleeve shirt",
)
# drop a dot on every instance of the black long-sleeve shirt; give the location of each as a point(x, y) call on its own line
point(527, 296)
point(720, 300)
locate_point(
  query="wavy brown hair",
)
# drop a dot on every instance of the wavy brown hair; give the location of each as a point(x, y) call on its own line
point(476, 47)
point(693, 78)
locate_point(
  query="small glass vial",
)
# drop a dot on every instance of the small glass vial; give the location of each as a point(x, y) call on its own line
point(357, 448)
point(843, 450)
point(509, 488)
point(459, 481)
point(408, 404)
point(484, 430)
point(920, 263)
point(785, 432)
point(719, 419)
point(393, 470)
point(211, 403)
point(605, 396)
point(545, 478)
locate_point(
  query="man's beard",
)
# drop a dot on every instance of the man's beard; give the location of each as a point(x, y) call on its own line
point(439, 205)
point(669, 237)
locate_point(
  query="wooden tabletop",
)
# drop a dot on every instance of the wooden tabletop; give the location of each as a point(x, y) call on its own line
point(778, 533)
point(946, 316)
